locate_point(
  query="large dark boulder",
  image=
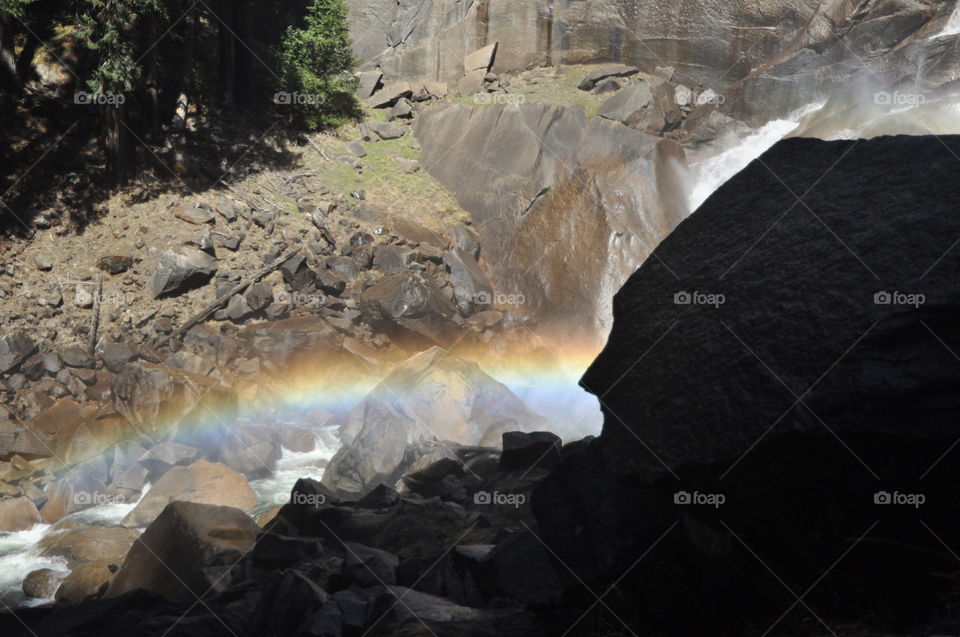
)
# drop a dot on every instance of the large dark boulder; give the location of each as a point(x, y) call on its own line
point(782, 370)
point(173, 556)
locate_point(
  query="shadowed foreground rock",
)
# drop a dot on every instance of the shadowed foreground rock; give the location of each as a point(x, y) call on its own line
point(778, 374)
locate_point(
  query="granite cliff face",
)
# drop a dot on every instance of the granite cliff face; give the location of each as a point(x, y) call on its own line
point(567, 205)
point(768, 58)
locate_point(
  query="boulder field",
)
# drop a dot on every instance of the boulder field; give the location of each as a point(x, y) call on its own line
point(778, 390)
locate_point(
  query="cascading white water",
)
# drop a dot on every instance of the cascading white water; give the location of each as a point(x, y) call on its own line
point(712, 172)
point(20, 553)
point(953, 23)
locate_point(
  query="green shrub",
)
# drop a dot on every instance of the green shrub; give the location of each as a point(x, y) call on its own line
point(315, 61)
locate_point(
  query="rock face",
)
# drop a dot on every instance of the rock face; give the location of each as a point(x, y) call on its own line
point(433, 396)
point(171, 555)
point(768, 59)
point(585, 198)
point(202, 482)
point(782, 380)
point(157, 399)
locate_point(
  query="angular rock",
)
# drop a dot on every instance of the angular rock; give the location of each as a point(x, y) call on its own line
point(390, 259)
point(595, 77)
point(172, 555)
point(259, 296)
point(76, 357)
point(182, 270)
point(194, 215)
point(386, 131)
point(524, 451)
point(431, 396)
point(117, 355)
point(389, 94)
point(296, 273)
point(203, 482)
point(403, 109)
point(163, 457)
point(237, 308)
point(14, 349)
point(471, 83)
point(408, 306)
point(470, 286)
point(635, 106)
point(369, 82)
point(480, 60)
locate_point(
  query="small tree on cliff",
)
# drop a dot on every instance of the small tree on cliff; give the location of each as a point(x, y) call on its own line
point(107, 27)
point(314, 62)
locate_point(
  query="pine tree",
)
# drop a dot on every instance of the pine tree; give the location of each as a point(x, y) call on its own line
point(315, 61)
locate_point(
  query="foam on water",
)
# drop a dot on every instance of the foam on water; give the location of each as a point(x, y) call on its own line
point(19, 555)
point(275, 489)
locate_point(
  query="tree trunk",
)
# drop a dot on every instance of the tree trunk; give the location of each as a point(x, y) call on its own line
point(25, 71)
point(117, 144)
point(9, 80)
point(227, 52)
point(244, 69)
point(152, 79)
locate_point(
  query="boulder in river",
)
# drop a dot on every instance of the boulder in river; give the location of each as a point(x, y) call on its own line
point(202, 482)
point(433, 396)
point(18, 514)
